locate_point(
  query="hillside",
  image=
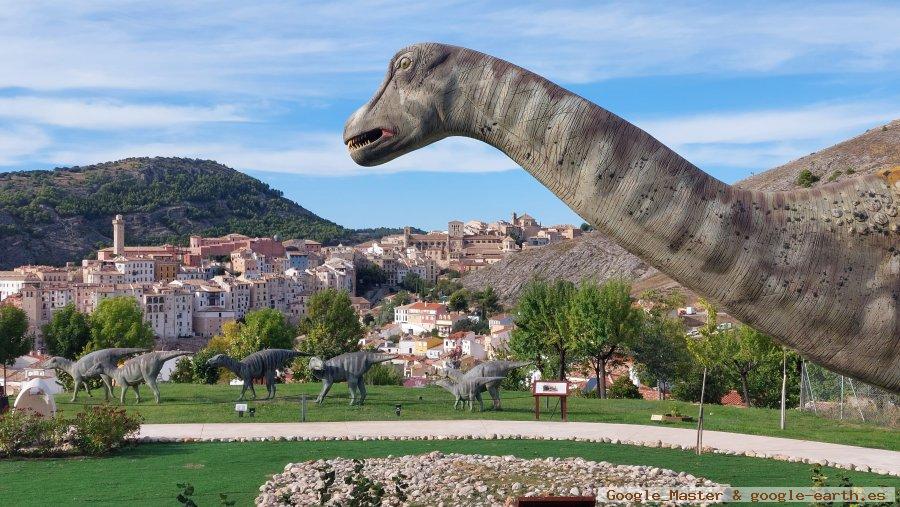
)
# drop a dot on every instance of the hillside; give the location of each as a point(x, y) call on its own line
point(877, 148)
point(595, 256)
point(51, 217)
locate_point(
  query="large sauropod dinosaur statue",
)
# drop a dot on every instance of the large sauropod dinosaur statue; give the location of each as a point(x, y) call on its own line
point(468, 389)
point(99, 362)
point(350, 367)
point(490, 369)
point(143, 368)
point(818, 268)
point(262, 364)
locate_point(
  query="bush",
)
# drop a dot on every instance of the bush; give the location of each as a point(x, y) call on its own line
point(688, 387)
point(183, 372)
point(103, 428)
point(623, 388)
point(22, 431)
point(204, 374)
point(382, 374)
point(806, 178)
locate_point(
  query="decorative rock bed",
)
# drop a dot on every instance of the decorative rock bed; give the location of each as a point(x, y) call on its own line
point(460, 479)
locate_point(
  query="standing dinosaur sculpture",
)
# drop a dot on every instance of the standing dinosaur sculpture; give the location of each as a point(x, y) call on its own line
point(350, 367)
point(261, 364)
point(818, 268)
point(99, 362)
point(489, 369)
point(468, 389)
point(143, 368)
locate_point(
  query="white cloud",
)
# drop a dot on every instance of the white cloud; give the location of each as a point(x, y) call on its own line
point(286, 49)
point(17, 143)
point(108, 114)
point(812, 122)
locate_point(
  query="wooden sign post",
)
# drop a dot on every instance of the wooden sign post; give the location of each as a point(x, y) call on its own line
point(551, 388)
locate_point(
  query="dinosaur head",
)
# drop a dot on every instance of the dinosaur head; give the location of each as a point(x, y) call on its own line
point(54, 362)
point(446, 384)
point(216, 360)
point(409, 109)
point(97, 369)
point(316, 364)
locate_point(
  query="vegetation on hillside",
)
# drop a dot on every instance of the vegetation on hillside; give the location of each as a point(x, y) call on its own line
point(164, 200)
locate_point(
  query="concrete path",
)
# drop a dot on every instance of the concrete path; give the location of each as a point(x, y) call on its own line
point(835, 454)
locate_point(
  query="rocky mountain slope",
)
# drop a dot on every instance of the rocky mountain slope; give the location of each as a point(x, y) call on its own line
point(51, 217)
point(595, 256)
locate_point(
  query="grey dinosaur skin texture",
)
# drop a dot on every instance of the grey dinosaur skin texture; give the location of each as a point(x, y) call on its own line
point(99, 362)
point(351, 368)
point(262, 364)
point(145, 369)
point(818, 269)
point(490, 369)
point(468, 389)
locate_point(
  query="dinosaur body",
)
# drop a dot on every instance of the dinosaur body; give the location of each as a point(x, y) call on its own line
point(490, 369)
point(468, 389)
point(351, 368)
point(96, 363)
point(263, 364)
point(144, 368)
point(818, 269)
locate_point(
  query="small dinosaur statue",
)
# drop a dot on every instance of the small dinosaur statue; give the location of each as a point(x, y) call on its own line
point(468, 389)
point(261, 364)
point(105, 359)
point(350, 367)
point(489, 369)
point(143, 368)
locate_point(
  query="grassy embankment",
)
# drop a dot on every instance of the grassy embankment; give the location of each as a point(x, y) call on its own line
point(189, 403)
point(147, 474)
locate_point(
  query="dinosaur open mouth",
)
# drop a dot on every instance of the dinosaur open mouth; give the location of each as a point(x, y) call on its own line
point(367, 138)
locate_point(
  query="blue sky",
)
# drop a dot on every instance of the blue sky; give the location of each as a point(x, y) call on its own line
point(265, 87)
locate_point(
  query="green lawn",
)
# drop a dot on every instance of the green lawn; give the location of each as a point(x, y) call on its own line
point(147, 474)
point(183, 403)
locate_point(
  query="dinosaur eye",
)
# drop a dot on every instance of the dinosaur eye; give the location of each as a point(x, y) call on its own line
point(404, 63)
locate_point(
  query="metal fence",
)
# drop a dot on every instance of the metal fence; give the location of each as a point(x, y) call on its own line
point(835, 396)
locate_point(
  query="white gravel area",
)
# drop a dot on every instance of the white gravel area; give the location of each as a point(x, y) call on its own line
point(438, 479)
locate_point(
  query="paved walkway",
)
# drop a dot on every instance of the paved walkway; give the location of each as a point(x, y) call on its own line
point(877, 459)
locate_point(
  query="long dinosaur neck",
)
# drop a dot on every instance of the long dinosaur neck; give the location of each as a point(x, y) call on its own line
point(630, 186)
point(232, 364)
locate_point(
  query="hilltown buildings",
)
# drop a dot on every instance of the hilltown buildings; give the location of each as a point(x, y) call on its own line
point(190, 291)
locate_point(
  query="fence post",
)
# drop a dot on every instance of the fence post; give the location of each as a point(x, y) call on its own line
point(302, 408)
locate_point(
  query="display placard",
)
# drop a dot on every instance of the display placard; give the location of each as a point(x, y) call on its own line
point(550, 388)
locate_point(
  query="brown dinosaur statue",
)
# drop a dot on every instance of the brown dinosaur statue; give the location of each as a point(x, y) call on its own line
point(818, 269)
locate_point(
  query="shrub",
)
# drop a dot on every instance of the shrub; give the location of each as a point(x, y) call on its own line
point(204, 374)
point(183, 372)
point(806, 178)
point(688, 387)
point(103, 428)
point(624, 388)
point(383, 374)
point(29, 433)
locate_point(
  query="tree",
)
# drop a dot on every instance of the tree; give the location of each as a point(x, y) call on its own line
point(487, 302)
point(68, 332)
point(183, 372)
point(331, 326)
point(604, 321)
point(413, 283)
point(586, 227)
point(743, 349)
point(459, 301)
point(479, 326)
point(543, 325)
point(660, 352)
point(118, 322)
point(266, 329)
point(14, 340)
point(369, 276)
